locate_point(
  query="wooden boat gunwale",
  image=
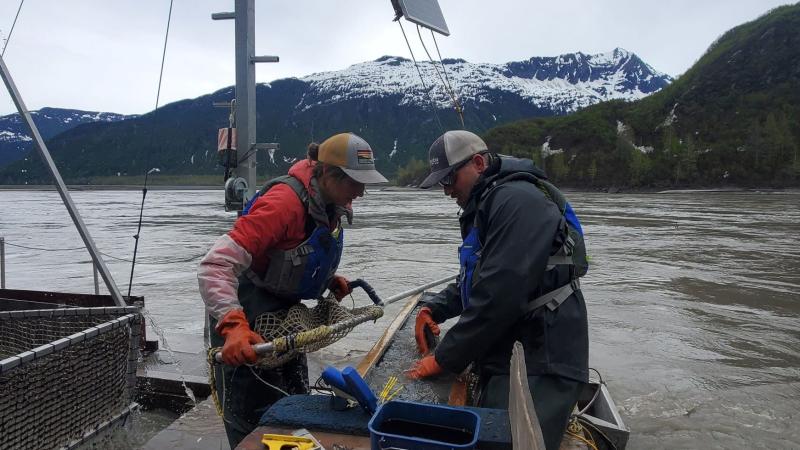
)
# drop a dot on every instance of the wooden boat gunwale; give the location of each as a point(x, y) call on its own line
point(377, 351)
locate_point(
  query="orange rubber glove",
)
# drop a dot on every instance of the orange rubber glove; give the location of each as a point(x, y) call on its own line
point(340, 287)
point(239, 339)
point(424, 368)
point(424, 319)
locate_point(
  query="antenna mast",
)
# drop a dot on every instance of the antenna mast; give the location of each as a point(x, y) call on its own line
point(240, 188)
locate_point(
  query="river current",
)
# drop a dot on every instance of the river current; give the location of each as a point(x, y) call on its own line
point(693, 297)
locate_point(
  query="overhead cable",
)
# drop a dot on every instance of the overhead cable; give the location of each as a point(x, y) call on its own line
point(12, 28)
point(424, 87)
point(445, 84)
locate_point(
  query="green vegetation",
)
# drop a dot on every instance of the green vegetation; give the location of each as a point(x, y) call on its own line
point(733, 118)
point(412, 173)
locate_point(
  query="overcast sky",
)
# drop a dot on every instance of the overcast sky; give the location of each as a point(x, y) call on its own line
point(104, 55)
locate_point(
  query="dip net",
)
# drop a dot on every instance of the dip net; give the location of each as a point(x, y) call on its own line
point(300, 329)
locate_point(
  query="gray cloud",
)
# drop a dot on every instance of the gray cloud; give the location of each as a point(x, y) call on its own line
point(105, 55)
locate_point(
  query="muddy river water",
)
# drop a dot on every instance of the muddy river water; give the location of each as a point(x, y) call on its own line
point(693, 297)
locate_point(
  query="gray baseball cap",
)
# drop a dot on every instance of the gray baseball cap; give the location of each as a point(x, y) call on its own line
point(353, 155)
point(448, 151)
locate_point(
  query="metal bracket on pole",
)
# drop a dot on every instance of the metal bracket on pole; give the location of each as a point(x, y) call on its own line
point(264, 59)
point(265, 146)
point(59, 182)
point(223, 16)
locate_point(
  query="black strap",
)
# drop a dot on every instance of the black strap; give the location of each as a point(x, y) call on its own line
point(296, 185)
point(555, 298)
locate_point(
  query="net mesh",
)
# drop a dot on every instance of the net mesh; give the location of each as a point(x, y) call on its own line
point(299, 329)
point(58, 398)
point(314, 325)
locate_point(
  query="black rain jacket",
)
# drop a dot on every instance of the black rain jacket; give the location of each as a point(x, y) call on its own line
point(517, 227)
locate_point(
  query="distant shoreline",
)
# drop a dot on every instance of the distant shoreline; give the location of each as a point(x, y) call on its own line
point(109, 187)
point(613, 191)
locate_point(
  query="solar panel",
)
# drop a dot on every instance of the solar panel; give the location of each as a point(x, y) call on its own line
point(426, 13)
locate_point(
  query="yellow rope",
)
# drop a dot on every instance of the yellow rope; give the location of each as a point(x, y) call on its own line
point(294, 342)
point(584, 440)
point(301, 339)
point(212, 380)
point(575, 430)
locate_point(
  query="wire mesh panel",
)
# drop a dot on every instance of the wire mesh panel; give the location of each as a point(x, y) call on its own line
point(65, 374)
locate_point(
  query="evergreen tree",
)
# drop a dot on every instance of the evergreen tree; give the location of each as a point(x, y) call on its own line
point(413, 172)
point(639, 168)
point(592, 171)
point(557, 169)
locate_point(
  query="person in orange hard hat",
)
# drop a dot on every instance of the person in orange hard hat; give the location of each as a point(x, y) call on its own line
point(285, 247)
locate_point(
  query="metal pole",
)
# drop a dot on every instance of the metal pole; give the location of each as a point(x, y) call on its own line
point(417, 290)
point(245, 26)
point(139, 228)
point(96, 284)
point(59, 182)
point(2, 263)
point(245, 113)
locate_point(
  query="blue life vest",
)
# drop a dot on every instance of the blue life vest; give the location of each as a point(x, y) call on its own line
point(305, 271)
point(572, 218)
point(468, 255)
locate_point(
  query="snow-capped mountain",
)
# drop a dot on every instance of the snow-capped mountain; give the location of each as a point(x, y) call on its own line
point(14, 138)
point(384, 101)
point(561, 84)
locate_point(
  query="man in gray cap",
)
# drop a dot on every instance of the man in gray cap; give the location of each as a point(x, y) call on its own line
point(522, 255)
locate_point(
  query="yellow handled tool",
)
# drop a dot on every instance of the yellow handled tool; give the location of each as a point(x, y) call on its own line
point(279, 441)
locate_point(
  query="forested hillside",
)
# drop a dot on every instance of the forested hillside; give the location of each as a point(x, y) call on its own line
point(732, 119)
